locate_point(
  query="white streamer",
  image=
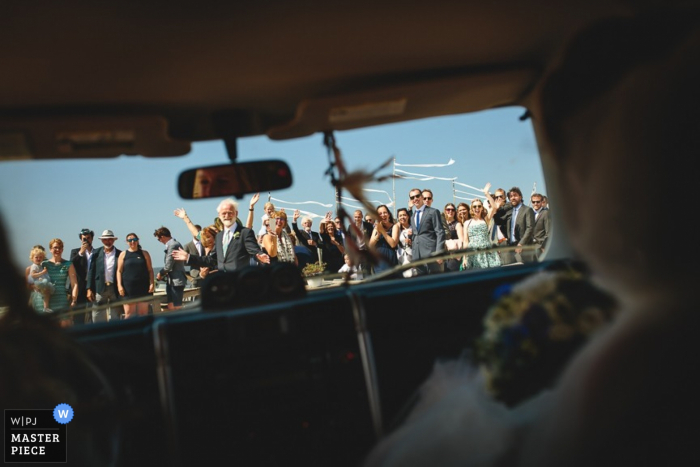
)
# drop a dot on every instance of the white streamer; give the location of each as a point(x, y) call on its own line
point(428, 176)
point(481, 190)
point(302, 202)
point(426, 165)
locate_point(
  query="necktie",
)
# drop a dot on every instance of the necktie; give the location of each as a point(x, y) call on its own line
point(417, 220)
point(227, 239)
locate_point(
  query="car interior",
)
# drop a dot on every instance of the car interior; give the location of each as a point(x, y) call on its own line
point(267, 373)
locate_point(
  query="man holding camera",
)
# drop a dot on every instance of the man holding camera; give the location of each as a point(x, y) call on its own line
point(81, 257)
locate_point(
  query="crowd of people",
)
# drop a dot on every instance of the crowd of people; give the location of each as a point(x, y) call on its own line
point(106, 283)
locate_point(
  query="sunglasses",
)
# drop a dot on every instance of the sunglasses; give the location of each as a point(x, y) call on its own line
point(449, 209)
point(536, 202)
point(131, 240)
point(477, 206)
point(415, 196)
point(499, 196)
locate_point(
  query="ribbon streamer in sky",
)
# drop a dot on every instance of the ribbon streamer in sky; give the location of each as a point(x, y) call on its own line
point(302, 202)
point(481, 190)
point(425, 165)
point(428, 177)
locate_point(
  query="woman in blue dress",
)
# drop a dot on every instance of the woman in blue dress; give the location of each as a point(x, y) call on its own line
point(476, 235)
point(385, 239)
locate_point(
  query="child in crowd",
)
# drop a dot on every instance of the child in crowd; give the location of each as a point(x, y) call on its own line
point(350, 268)
point(39, 277)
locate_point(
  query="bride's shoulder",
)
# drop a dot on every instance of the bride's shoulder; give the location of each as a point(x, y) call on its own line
point(623, 397)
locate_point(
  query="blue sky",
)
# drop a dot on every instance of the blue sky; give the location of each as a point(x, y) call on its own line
point(41, 200)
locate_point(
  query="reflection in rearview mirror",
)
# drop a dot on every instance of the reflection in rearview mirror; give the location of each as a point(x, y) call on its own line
point(234, 179)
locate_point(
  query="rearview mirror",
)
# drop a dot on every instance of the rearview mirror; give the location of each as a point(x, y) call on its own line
point(234, 179)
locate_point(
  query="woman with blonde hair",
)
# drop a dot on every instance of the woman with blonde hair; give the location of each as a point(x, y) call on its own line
point(60, 271)
point(475, 235)
point(277, 243)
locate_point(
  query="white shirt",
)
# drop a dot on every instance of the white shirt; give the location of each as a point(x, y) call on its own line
point(198, 246)
point(110, 264)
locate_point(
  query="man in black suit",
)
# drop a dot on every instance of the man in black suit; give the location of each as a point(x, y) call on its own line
point(307, 238)
point(233, 247)
point(195, 247)
point(101, 280)
point(542, 226)
point(81, 257)
point(519, 228)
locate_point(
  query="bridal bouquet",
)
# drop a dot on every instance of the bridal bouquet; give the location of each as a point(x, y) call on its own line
point(533, 330)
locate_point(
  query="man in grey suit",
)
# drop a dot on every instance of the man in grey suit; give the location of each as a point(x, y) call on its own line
point(427, 233)
point(519, 229)
point(173, 271)
point(233, 247)
point(101, 284)
point(542, 223)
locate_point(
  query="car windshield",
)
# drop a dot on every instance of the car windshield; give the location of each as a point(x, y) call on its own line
point(453, 158)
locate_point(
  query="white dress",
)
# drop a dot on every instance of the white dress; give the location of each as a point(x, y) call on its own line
point(457, 423)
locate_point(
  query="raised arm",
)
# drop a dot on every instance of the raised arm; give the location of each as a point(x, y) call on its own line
point(492, 203)
point(180, 212)
point(251, 210)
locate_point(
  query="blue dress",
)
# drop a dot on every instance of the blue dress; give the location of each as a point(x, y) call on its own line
point(387, 255)
point(479, 240)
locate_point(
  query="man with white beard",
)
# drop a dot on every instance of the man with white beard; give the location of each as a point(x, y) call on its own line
point(233, 247)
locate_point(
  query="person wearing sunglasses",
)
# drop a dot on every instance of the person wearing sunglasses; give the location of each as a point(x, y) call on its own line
point(428, 197)
point(428, 234)
point(542, 222)
point(476, 235)
point(277, 243)
point(452, 240)
point(135, 277)
point(503, 212)
point(81, 257)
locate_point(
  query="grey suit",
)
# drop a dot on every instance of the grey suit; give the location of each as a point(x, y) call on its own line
point(542, 229)
point(428, 238)
point(173, 271)
point(524, 230)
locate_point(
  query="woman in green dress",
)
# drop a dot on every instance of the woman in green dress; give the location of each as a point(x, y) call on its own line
point(60, 270)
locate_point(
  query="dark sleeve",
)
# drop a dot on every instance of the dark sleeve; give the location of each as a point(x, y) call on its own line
point(250, 244)
point(206, 261)
point(529, 227)
point(547, 227)
point(296, 231)
point(439, 232)
point(74, 255)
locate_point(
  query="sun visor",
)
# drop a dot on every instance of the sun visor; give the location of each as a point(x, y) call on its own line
point(85, 137)
point(408, 101)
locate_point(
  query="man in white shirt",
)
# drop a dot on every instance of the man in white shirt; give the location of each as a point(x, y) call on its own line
point(101, 280)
